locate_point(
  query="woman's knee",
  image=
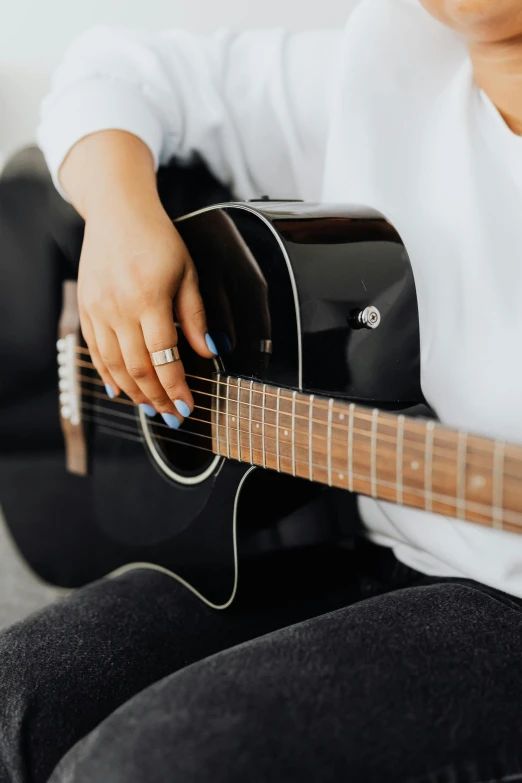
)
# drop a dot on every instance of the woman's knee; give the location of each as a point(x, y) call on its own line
point(400, 672)
point(67, 667)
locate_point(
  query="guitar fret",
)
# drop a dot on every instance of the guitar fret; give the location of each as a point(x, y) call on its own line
point(227, 417)
point(263, 425)
point(218, 378)
point(400, 458)
point(461, 474)
point(239, 419)
point(428, 466)
point(383, 452)
point(373, 466)
point(498, 485)
point(350, 446)
point(277, 431)
point(250, 422)
point(310, 437)
point(294, 395)
point(329, 442)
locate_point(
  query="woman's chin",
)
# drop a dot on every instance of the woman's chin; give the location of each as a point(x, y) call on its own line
point(479, 20)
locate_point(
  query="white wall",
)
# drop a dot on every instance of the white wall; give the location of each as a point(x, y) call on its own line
point(34, 34)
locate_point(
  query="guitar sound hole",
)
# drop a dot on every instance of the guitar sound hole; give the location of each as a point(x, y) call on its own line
point(186, 454)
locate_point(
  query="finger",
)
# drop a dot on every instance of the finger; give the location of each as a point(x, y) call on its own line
point(112, 358)
point(224, 338)
point(111, 387)
point(160, 333)
point(191, 313)
point(141, 370)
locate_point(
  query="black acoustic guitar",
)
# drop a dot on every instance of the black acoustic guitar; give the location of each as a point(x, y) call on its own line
point(314, 311)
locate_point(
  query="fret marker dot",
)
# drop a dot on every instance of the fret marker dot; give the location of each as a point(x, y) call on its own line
point(415, 465)
point(341, 476)
point(233, 418)
point(477, 482)
point(286, 432)
point(341, 416)
point(257, 426)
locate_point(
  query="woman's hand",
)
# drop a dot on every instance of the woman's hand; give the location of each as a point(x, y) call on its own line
point(134, 268)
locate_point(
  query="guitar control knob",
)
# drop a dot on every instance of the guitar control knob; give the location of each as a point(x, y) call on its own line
point(369, 318)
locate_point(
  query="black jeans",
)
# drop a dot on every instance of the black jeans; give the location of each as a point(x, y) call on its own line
point(345, 665)
point(413, 679)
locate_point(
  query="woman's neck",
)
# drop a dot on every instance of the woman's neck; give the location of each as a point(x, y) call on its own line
point(498, 71)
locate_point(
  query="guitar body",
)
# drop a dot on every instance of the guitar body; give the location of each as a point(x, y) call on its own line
point(284, 286)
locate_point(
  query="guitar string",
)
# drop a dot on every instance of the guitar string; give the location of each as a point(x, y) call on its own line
point(138, 437)
point(171, 439)
point(152, 424)
point(444, 468)
point(416, 445)
point(360, 412)
point(318, 400)
point(308, 463)
point(213, 381)
point(107, 430)
point(232, 416)
point(186, 431)
point(340, 428)
point(412, 445)
point(512, 517)
point(158, 425)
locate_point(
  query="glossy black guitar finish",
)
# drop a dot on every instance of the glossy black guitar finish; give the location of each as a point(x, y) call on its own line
point(316, 269)
point(283, 284)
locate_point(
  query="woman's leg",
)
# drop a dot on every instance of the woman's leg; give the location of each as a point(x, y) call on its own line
point(423, 684)
point(66, 668)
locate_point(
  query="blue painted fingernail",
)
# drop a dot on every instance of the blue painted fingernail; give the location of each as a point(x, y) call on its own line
point(110, 391)
point(211, 345)
point(173, 421)
point(182, 408)
point(148, 410)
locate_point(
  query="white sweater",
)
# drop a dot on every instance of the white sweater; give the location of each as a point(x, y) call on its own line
point(383, 113)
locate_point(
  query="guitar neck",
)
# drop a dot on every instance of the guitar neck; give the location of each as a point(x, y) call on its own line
point(405, 460)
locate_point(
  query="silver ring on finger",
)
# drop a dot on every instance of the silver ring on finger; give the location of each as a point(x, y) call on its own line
point(167, 356)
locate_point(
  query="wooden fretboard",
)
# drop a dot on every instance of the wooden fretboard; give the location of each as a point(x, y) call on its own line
point(409, 461)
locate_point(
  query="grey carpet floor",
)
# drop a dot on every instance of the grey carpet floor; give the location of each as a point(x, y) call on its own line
point(21, 592)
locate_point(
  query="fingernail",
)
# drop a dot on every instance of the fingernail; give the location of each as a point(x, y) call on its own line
point(223, 343)
point(211, 345)
point(110, 391)
point(182, 408)
point(148, 410)
point(173, 421)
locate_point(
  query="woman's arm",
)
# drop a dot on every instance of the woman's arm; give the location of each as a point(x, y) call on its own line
point(255, 106)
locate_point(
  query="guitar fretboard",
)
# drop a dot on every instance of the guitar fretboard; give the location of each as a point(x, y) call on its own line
point(405, 460)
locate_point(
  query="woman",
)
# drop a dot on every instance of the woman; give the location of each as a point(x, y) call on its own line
point(413, 109)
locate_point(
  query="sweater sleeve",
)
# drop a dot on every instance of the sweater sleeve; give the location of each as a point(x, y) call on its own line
point(254, 105)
